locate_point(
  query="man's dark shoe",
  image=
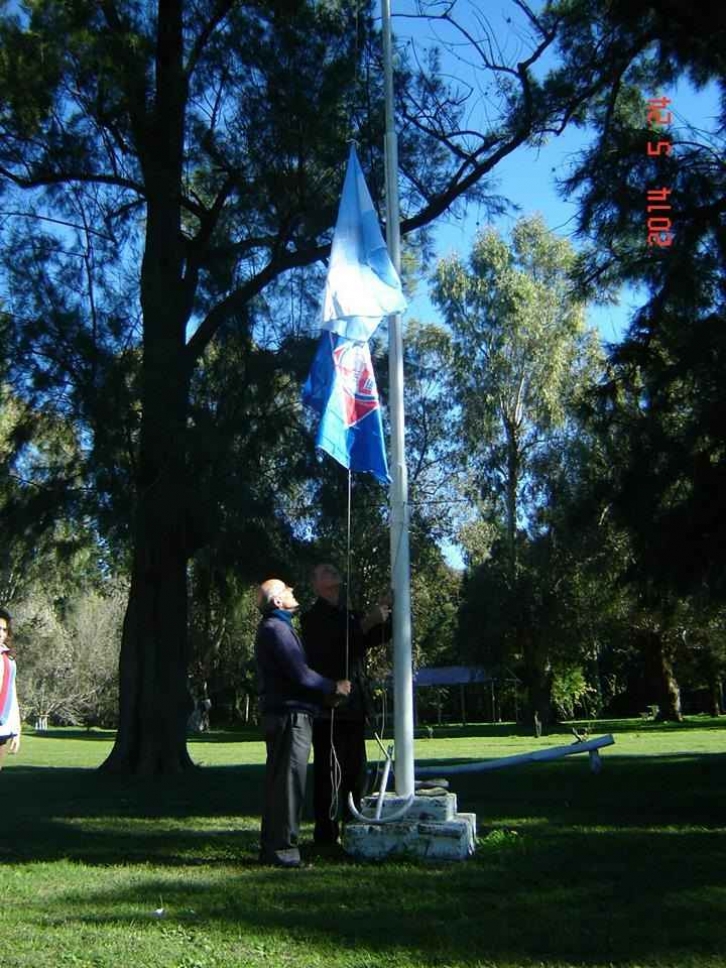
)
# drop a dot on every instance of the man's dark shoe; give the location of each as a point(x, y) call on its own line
point(281, 858)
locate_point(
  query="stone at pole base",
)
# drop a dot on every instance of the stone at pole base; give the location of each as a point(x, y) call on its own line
point(432, 829)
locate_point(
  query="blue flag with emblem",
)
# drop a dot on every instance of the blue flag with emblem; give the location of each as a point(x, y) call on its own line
point(341, 387)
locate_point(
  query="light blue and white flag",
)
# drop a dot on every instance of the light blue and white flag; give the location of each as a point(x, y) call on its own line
point(362, 285)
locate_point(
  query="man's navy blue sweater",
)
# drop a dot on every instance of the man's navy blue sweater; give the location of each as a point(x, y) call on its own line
point(286, 682)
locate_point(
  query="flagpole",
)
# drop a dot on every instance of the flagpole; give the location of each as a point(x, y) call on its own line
point(400, 553)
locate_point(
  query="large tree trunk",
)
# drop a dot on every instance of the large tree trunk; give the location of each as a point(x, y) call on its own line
point(715, 695)
point(514, 460)
point(537, 678)
point(660, 676)
point(154, 700)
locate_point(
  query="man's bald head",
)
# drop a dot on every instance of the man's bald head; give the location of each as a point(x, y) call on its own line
point(274, 593)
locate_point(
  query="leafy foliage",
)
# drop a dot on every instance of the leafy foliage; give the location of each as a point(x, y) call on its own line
point(520, 355)
point(68, 657)
point(662, 410)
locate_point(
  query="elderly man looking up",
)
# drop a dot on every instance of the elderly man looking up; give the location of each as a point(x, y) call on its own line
point(290, 695)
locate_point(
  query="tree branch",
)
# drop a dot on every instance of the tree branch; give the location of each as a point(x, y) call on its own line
point(238, 299)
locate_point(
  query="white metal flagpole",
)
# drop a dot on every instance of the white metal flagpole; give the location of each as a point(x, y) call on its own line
point(400, 555)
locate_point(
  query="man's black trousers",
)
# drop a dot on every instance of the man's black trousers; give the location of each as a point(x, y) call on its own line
point(350, 752)
point(287, 737)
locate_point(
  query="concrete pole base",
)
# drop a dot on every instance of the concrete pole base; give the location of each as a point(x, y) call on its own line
point(432, 829)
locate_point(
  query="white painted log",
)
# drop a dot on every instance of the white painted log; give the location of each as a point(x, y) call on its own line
point(553, 753)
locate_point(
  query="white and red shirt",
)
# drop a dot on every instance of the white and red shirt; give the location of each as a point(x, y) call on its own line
point(9, 711)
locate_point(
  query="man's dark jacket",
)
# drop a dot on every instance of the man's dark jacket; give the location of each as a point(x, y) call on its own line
point(286, 682)
point(323, 633)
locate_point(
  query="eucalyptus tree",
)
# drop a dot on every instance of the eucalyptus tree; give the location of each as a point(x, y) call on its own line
point(434, 458)
point(521, 356)
point(521, 353)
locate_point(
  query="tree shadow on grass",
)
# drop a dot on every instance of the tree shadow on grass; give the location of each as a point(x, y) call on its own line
point(701, 721)
point(640, 791)
point(569, 895)
point(97, 818)
point(211, 815)
point(249, 734)
point(91, 735)
point(626, 867)
point(597, 727)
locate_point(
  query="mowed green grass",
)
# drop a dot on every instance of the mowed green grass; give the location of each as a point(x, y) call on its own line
point(627, 867)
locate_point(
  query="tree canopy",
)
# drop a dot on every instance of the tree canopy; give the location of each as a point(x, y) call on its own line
point(169, 174)
point(662, 409)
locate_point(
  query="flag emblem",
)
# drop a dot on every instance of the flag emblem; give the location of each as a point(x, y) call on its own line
point(356, 381)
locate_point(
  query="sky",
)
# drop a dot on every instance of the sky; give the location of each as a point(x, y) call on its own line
point(528, 176)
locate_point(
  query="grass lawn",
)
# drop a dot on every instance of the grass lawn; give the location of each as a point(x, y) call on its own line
point(624, 868)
